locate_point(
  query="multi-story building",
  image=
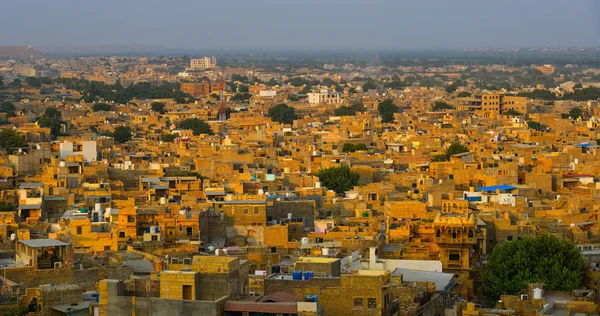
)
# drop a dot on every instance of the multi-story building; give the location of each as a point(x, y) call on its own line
point(197, 89)
point(324, 96)
point(492, 104)
point(203, 63)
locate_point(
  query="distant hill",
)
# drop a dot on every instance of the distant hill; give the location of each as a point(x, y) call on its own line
point(19, 52)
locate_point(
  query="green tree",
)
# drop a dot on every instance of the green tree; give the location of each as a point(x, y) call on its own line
point(328, 82)
point(349, 110)
point(169, 137)
point(441, 105)
point(52, 113)
point(464, 94)
point(101, 107)
point(11, 139)
point(243, 88)
point(339, 179)
point(8, 108)
point(283, 113)
point(369, 85)
point(122, 134)
point(293, 97)
point(241, 97)
point(197, 126)
point(536, 125)
point(387, 108)
point(6, 207)
point(52, 120)
point(512, 112)
point(272, 82)
point(360, 146)
point(158, 107)
point(455, 148)
point(576, 112)
point(348, 147)
point(546, 259)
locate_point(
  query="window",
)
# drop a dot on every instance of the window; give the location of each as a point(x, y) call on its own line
point(154, 237)
point(180, 228)
point(245, 211)
point(358, 302)
point(79, 230)
point(372, 302)
point(509, 238)
point(453, 234)
point(106, 248)
point(470, 234)
point(255, 210)
point(437, 234)
point(189, 231)
point(455, 256)
point(121, 234)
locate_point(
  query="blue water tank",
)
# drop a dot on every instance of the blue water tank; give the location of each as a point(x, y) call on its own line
point(297, 275)
point(308, 275)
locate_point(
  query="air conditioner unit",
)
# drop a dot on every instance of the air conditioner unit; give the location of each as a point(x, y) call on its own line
point(57, 265)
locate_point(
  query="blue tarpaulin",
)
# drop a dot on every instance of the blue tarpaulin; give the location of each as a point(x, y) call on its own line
point(503, 187)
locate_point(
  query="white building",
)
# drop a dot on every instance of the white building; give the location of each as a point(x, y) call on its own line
point(87, 149)
point(324, 97)
point(203, 63)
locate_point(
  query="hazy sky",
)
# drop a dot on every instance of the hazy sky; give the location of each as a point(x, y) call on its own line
point(301, 24)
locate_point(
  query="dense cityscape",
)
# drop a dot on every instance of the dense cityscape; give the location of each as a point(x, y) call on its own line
point(141, 180)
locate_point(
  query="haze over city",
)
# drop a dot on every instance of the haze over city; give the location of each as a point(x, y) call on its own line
point(303, 25)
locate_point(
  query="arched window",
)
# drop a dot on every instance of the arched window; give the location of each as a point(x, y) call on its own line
point(180, 227)
point(453, 234)
point(470, 234)
point(437, 233)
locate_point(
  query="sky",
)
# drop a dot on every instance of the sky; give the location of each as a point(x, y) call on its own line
point(302, 24)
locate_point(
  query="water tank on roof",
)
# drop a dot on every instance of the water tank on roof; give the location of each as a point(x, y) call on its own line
point(297, 275)
point(304, 240)
point(308, 275)
point(325, 251)
point(62, 164)
point(290, 215)
point(537, 293)
point(163, 200)
point(83, 210)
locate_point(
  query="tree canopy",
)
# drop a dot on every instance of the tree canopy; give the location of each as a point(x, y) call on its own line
point(101, 107)
point(349, 147)
point(387, 108)
point(197, 126)
point(338, 179)
point(546, 259)
point(158, 107)
point(349, 110)
point(283, 113)
point(51, 119)
point(8, 108)
point(455, 148)
point(122, 134)
point(441, 105)
point(11, 139)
